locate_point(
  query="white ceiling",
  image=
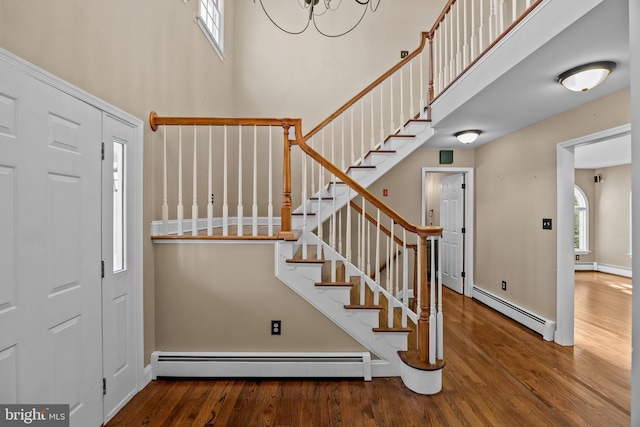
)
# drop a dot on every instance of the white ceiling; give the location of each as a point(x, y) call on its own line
point(604, 154)
point(529, 92)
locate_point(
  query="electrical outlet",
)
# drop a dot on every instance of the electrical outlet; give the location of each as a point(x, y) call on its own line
point(404, 54)
point(546, 224)
point(504, 285)
point(577, 257)
point(276, 327)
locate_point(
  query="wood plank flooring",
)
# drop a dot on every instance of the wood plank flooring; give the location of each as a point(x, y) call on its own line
point(498, 374)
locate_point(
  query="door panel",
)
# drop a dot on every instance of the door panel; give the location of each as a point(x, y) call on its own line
point(451, 220)
point(118, 295)
point(50, 311)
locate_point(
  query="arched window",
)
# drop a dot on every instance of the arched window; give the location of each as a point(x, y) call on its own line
point(580, 221)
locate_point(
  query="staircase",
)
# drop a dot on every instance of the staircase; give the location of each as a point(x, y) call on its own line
point(366, 294)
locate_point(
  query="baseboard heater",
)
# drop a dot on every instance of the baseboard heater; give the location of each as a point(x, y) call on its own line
point(261, 365)
point(543, 326)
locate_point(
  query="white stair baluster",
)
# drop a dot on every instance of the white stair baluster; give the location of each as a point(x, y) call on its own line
point(481, 28)
point(363, 244)
point(304, 206)
point(452, 50)
point(391, 124)
point(318, 211)
point(359, 252)
point(368, 248)
point(440, 317)
point(417, 288)
point(180, 212)
point(240, 212)
point(340, 231)
point(270, 206)
point(472, 41)
point(342, 159)
point(528, 4)
point(465, 49)
point(381, 119)
point(333, 230)
point(421, 106)
point(458, 40)
point(353, 141)
point(362, 153)
point(502, 16)
point(514, 11)
point(445, 63)
point(412, 110)
point(401, 71)
point(373, 137)
point(254, 206)
point(165, 201)
point(405, 278)
point(225, 205)
point(313, 175)
point(432, 305)
point(194, 206)
point(376, 267)
point(348, 228)
point(210, 187)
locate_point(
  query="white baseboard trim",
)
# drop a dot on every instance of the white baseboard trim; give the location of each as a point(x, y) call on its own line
point(261, 365)
point(585, 266)
point(543, 326)
point(147, 376)
point(613, 269)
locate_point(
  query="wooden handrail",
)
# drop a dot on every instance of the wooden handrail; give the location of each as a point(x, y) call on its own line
point(366, 90)
point(423, 231)
point(155, 121)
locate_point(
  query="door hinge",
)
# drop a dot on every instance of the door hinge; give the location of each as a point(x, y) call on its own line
point(104, 386)
point(464, 230)
point(102, 268)
point(463, 274)
point(103, 151)
point(464, 186)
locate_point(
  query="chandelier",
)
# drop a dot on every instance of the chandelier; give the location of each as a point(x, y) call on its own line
point(318, 13)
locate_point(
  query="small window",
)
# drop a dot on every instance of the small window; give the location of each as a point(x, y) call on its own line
point(580, 221)
point(119, 199)
point(211, 21)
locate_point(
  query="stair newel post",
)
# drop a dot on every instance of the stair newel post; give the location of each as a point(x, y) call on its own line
point(240, 209)
point(432, 304)
point(210, 187)
point(421, 105)
point(285, 228)
point(225, 182)
point(254, 205)
point(270, 205)
point(405, 278)
point(423, 320)
point(440, 318)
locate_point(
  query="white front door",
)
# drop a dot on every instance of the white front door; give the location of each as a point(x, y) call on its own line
point(452, 222)
point(50, 250)
point(120, 333)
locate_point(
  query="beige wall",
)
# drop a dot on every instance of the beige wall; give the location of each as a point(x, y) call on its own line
point(404, 181)
point(208, 300)
point(310, 76)
point(584, 180)
point(515, 189)
point(138, 55)
point(612, 216)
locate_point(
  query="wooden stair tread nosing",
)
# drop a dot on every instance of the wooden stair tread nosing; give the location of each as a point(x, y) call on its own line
point(406, 330)
point(362, 307)
point(302, 214)
point(399, 136)
point(335, 284)
point(321, 198)
point(305, 261)
point(412, 359)
point(379, 152)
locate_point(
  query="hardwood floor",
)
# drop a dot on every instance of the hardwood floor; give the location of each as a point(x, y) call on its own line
point(498, 374)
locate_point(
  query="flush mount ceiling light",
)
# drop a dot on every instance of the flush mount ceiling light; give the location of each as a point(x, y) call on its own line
point(467, 136)
point(585, 77)
point(315, 11)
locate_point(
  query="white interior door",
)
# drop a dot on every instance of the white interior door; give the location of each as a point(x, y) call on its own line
point(452, 222)
point(50, 250)
point(118, 286)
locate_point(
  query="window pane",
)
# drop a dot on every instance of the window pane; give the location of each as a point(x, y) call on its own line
point(118, 206)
